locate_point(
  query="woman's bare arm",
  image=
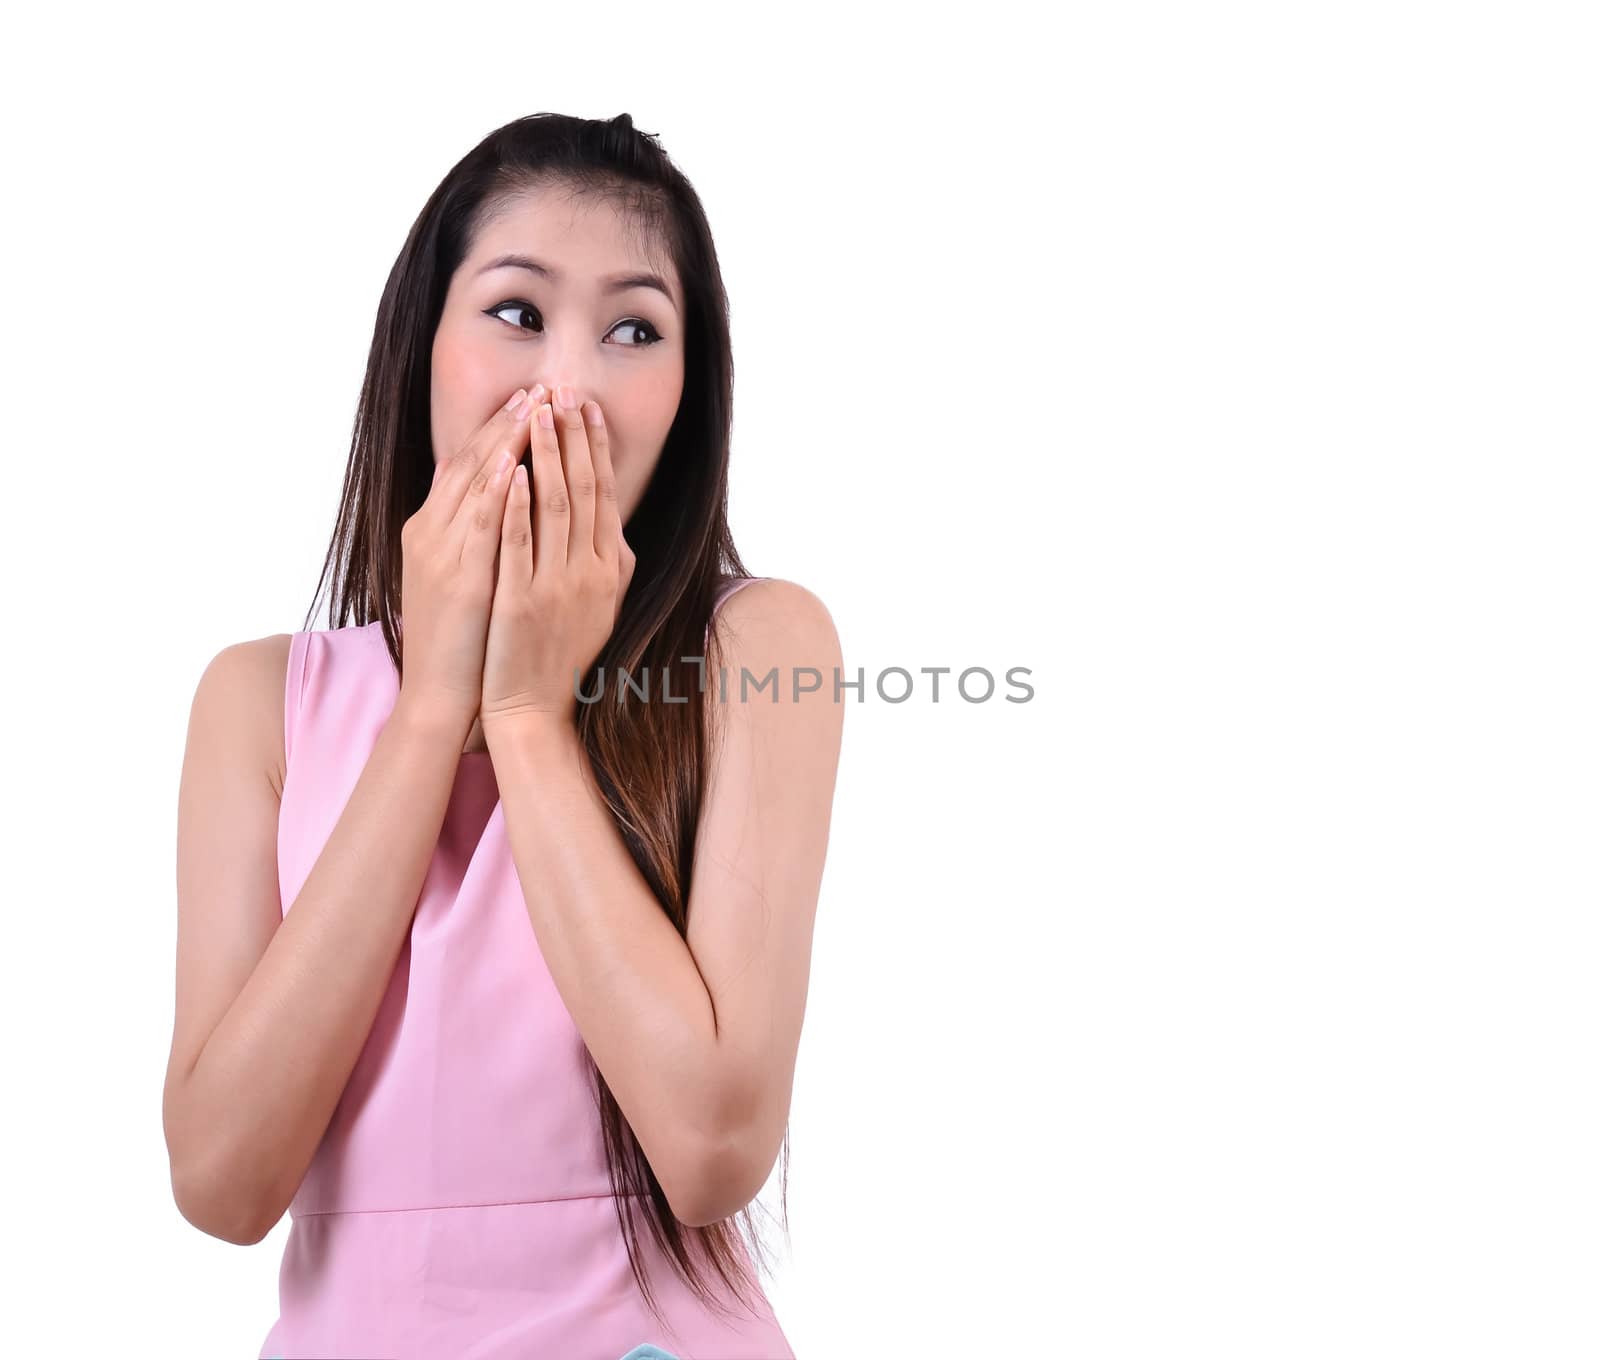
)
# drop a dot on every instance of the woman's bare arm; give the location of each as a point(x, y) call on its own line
point(272, 1010)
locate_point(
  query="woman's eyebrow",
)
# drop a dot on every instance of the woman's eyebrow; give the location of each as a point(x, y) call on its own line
point(611, 283)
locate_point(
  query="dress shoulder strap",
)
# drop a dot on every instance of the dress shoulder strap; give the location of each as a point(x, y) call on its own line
point(294, 683)
point(732, 586)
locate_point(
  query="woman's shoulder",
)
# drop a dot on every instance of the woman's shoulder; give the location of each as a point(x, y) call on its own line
point(261, 663)
point(248, 665)
point(243, 690)
point(778, 617)
point(772, 591)
point(238, 702)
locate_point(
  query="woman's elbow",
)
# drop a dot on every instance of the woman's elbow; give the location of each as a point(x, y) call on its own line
point(217, 1204)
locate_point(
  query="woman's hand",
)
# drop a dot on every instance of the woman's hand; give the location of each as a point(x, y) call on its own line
point(564, 570)
point(447, 565)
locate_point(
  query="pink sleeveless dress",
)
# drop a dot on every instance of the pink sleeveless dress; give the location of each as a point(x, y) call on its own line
point(459, 1205)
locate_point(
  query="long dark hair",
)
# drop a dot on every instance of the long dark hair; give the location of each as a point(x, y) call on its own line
point(651, 760)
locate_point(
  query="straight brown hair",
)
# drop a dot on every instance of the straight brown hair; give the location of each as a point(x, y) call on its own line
point(651, 760)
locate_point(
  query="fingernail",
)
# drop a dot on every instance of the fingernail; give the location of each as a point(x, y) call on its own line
point(547, 417)
point(518, 405)
point(566, 397)
point(536, 393)
point(595, 418)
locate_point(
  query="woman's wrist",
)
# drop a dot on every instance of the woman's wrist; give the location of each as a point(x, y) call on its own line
point(429, 718)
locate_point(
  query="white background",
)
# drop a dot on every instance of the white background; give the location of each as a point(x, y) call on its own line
point(1230, 366)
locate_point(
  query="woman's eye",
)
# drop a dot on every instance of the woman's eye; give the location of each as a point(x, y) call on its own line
point(634, 324)
point(513, 307)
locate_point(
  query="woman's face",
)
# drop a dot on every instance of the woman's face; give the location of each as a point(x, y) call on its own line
point(506, 326)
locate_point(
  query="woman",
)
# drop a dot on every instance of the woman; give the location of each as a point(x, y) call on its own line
point(492, 956)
